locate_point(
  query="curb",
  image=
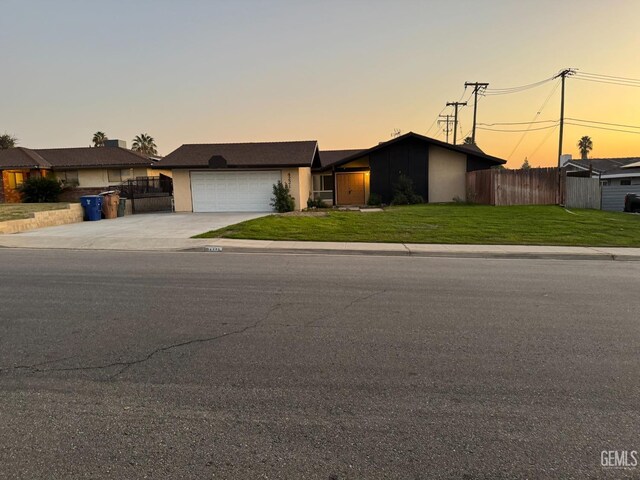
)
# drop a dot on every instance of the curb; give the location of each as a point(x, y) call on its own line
point(408, 253)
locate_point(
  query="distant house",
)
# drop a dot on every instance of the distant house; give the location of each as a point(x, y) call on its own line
point(618, 177)
point(230, 177)
point(88, 170)
point(611, 171)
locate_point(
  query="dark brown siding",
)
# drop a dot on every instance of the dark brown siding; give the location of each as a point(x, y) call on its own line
point(410, 158)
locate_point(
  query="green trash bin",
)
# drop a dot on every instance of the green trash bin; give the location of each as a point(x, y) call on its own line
point(122, 206)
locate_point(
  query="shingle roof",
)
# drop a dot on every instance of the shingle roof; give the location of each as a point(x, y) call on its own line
point(21, 158)
point(243, 155)
point(84, 157)
point(329, 157)
point(607, 166)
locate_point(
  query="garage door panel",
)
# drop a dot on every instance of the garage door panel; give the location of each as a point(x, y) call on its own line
point(233, 191)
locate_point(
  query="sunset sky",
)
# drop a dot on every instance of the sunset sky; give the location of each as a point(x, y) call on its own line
point(345, 73)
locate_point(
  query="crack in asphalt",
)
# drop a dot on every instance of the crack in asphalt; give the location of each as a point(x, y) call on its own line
point(346, 307)
point(128, 364)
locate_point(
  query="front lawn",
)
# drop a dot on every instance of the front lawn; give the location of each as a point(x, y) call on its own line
point(16, 211)
point(451, 223)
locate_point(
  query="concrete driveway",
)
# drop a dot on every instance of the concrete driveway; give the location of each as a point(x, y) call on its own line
point(152, 231)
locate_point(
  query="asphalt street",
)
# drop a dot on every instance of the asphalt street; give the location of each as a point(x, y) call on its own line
point(220, 365)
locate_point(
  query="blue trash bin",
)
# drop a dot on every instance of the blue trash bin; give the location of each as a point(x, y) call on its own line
point(92, 205)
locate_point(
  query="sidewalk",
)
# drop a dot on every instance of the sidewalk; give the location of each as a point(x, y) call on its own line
point(337, 248)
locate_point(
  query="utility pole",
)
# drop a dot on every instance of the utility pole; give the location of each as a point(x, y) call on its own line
point(477, 86)
point(563, 75)
point(447, 122)
point(455, 117)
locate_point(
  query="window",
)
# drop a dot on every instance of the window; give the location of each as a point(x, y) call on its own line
point(114, 175)
point(625, 182)
point(322, 183)
point(68, 176)
point(323, 187)
point(14, 180)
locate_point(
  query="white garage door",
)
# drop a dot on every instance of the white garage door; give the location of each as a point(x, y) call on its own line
point(233, 191)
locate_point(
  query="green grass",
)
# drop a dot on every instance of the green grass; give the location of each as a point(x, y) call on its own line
point(16, 211)
point(450, 223)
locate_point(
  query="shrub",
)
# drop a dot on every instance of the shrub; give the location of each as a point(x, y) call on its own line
point(403, 193)
point(317, 203)
point(40, 190)
point(282, 201)
point(375, 200)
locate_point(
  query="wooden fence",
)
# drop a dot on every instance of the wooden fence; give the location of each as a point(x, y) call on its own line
point(582, 192)
point(534, 186)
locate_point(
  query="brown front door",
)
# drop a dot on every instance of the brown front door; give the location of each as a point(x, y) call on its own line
point(350, 188)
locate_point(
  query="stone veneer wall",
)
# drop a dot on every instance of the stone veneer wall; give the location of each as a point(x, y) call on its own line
point(50, 218)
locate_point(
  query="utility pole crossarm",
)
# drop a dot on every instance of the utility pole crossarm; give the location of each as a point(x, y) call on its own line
point(477, 86)
point(455, 117)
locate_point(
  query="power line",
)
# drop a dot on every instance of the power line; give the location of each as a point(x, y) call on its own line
point(608, 76)
point(544, 140)
point(602, 128)
point(521, 88)
point(535, 117)
point(603, 123)
point(623, 84)
point(516, 131)
point(516, 123)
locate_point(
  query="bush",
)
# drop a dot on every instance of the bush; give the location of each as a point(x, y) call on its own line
point(375, 200)
point(317, 203)
point(282, 201)
point(403, 193)
point(40, 190)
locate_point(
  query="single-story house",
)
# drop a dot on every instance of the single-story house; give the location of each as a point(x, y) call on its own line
point(618, 177)
point(611, 171)
point(240, 176)
point(89, 170)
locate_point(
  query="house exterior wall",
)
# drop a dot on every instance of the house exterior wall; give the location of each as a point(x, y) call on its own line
point(182, 190)
point(410, 158)
point(447, 175)
point(298, 179)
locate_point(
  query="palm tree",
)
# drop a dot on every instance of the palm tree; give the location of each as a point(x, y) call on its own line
point(585, 145)
point(99, 139)
point(144, 143)
point(7, 141)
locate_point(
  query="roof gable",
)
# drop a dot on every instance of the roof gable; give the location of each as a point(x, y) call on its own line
point(475, 153)
point(242, 155)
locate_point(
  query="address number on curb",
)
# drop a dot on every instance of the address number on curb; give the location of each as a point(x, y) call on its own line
point(213, 249)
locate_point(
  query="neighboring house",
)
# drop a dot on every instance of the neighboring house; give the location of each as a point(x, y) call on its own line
point(618, 177)
point(611, 171)
point(88, 170)
point(437, 170)
point(228, 177)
